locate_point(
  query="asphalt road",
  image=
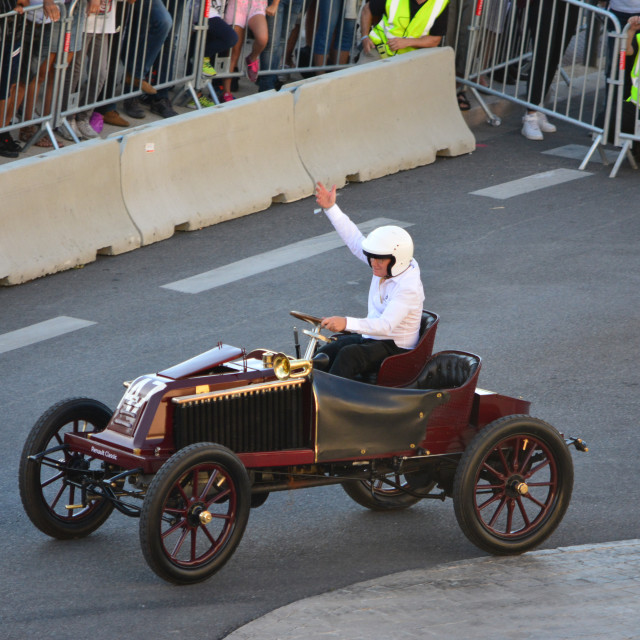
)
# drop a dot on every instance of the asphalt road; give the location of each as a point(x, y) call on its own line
point(543, 285)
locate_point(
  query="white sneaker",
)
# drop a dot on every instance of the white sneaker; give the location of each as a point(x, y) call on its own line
point(85, 129)
point(544, 124)
point(63, 132)
point(531, 127)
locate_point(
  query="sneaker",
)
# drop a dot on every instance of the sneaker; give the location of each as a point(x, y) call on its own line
point(9, 148)
point(544, 124)
point(207, 68)
point(63, 131)
point(133, 108)
point(252, 68)
point(85, 129)
point(227, 97)
point(162, 107)
point(112, 117)
point(204, 103)
point(531, 127)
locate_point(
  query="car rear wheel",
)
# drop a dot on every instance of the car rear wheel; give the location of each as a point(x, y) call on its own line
point(50, 486)
point(195, 513)
point(513, 485)
point(380, 496)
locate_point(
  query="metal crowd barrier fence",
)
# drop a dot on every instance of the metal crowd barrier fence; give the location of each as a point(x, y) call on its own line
point(127, 47)
point(29, 77)
point(523, 50)
point(548, 56)
point(122, 51)
point(626, 129)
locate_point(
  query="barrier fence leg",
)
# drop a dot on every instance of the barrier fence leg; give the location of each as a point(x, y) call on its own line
point(626, 150)
point(595, 145)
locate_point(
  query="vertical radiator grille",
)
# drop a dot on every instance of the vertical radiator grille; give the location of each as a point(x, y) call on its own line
point(264, 419)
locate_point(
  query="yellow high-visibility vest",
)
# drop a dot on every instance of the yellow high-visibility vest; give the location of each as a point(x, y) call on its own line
point(634, 73)
point(397, 23)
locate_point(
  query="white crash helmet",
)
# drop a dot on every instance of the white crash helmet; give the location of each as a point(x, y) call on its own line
point(389, 242)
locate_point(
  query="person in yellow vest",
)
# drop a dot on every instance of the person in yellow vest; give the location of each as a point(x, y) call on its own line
point(633, 57)
point(632, 67)
point(405, 25)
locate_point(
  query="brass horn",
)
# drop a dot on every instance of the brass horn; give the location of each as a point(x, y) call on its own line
point(285, 367)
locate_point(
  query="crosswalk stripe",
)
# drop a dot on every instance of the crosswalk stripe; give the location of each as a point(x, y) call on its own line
point(270, 260)
point(41, 331)
point(531, 183)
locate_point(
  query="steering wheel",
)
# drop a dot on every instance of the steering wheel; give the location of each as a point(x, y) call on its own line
point(306, 317)
point(314, 334)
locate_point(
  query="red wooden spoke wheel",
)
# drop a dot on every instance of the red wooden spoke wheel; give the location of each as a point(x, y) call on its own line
point(195, 513)
point(380, 496)
point(513, 485)
point(51, 485)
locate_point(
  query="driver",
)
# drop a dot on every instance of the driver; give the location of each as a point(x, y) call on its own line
point(396, 296)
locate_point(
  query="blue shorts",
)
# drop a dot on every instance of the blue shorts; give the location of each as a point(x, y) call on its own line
point(52, 32)
point(10, 55)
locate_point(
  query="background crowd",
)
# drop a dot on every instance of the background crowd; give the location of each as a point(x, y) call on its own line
point(123, 58)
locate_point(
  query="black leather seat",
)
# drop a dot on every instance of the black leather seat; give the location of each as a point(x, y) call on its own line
point(445, 371)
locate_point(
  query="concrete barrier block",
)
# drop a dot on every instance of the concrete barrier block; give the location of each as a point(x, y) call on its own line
point(61, 210)
point(375, 119)
point(212, 165)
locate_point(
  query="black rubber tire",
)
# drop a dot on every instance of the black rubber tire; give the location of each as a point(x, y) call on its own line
point(226, 495)
point(45, 493)
point(506, 453)
point(383, 497)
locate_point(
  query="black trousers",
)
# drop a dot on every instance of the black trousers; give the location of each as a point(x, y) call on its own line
point(351, 354)
point(558, 21)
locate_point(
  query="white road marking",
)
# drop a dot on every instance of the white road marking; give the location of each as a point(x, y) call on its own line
point(579, 151)
point(270, 259)
point(41, 331)
point(531, 183)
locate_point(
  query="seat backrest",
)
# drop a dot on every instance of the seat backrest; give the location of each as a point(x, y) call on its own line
point(446, 370)
point(397, 371)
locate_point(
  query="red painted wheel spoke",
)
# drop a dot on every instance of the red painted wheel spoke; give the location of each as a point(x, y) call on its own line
point(498, 511)
point(523, 511)
point(180, 541)
point(223, 516)
point(53, 479)
point(547, 483)
point(527, 460)
point(181, 491)
point(207, 533)
point(219, 496)
point(503, 459)
point(490, 501)
point(510, 509)
point(542, 465)
point(209, 484)
point(178, 525)
point(493, 471)
point(542, 505)
point(515, 466)
point(194, 482)
point(194, 550)
point(54, 502)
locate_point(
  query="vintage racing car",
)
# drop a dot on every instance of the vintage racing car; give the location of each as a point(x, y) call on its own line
point(191, 449)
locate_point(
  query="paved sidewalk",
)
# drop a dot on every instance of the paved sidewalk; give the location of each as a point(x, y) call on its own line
point(590, 591)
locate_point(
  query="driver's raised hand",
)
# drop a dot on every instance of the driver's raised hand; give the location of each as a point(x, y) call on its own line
point(334, 323)
point(326, 199)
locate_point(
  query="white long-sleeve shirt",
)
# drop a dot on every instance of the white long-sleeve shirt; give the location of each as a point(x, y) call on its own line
point(395, 304)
